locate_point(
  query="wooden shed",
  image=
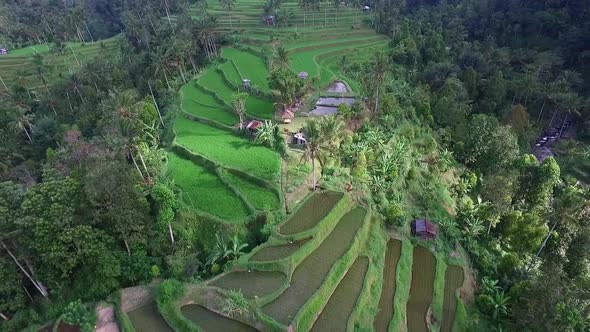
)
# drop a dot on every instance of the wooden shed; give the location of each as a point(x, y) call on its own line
point(424, 228)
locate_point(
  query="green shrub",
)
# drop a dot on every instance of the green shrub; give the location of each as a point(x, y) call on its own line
point(169, 290)
point(236, 305)
point(395, 215)
point(77, 314)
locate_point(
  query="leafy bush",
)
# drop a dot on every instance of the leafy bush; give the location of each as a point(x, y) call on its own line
point(169, 290)
point(236, 305)
point(77, 314)
point(395, 215)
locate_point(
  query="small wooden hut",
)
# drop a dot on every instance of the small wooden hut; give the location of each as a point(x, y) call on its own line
point(424, 229)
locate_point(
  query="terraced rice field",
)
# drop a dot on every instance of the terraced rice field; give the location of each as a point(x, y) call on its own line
point(19, 65)
point(208, 320)
point(203, 190)
point(311, 212)
point(421, 290)
point(250, 66)
point(310, 274)
point(385, 313)
point(454, 277)
point(273, 253)
point(227, 149)
point(335, 315)
point(262, 198)
point(252, 283)
point(148, 319)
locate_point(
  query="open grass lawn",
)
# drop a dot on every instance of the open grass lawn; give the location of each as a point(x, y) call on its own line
point(385, 313)
point(255, 283)
point(147, 318)
point(203, 190)
point(208, 320)
point(250, 65)
point(273, 253)
point(311, 212)
point(335, 315)
point(262, 198)
point(228, 149)
point(454, 277)
point(422, 289)
point(310, 274)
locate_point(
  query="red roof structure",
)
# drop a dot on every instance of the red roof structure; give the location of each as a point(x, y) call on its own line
point(424, 229)
point(253, 125)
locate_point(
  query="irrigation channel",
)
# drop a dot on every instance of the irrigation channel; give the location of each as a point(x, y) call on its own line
point(335, 315)
point(421, 289)
point(385, 313)
point(454, 277)
point(147, 318)
point(208, 320)
point(251, 283)
point(311, 212)
point(312, 272)
point(275, 253)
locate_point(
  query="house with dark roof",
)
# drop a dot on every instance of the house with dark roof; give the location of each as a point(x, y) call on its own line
point(424, 229)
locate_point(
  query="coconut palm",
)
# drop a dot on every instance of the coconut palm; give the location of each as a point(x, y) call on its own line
point(228, 5)
point(313, 136)
point(239, 106)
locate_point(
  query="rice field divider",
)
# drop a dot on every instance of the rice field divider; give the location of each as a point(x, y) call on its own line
point(213, 165)
point(365, 311)
point(199, 103)
point(324, 225)
point(249, 205)
point(275, 188)
point(402, 288)
point(312, 308)
point(460, 323)
point(439, 293)
point(210, 122)
point(121, 317)
point(290, 263)
point(254, 91)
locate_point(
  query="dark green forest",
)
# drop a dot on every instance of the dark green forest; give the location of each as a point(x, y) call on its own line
point(87, 206)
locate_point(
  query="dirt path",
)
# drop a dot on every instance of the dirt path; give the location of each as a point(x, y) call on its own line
point(106, 320)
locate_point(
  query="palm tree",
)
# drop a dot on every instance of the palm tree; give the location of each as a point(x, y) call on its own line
point(282, 57)
point(228, 5)
point(312, 147)
point(239, 105)
point(374, 80)
point(236, 249)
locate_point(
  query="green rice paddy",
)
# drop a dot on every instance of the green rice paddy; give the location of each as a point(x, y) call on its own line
point(250, 65)
point(454, 278)
point(334, 316)
point(385, 313)
point(208, 320)
point(422, 289)
point(273, 253)
point(262, 198)
point(227, 149)
point(254, 283)
point(310, 274)
point(311, 212)
point(203, 190)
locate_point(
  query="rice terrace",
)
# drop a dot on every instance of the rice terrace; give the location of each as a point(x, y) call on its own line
point(294, 165)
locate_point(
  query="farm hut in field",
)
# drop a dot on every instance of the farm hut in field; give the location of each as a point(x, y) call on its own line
point(3, 51)
point(303, 75)
point(246, 83)
point(287, 116)
point(299, 139)
point(366, 8)
point(253, 126)
point(424, 228)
